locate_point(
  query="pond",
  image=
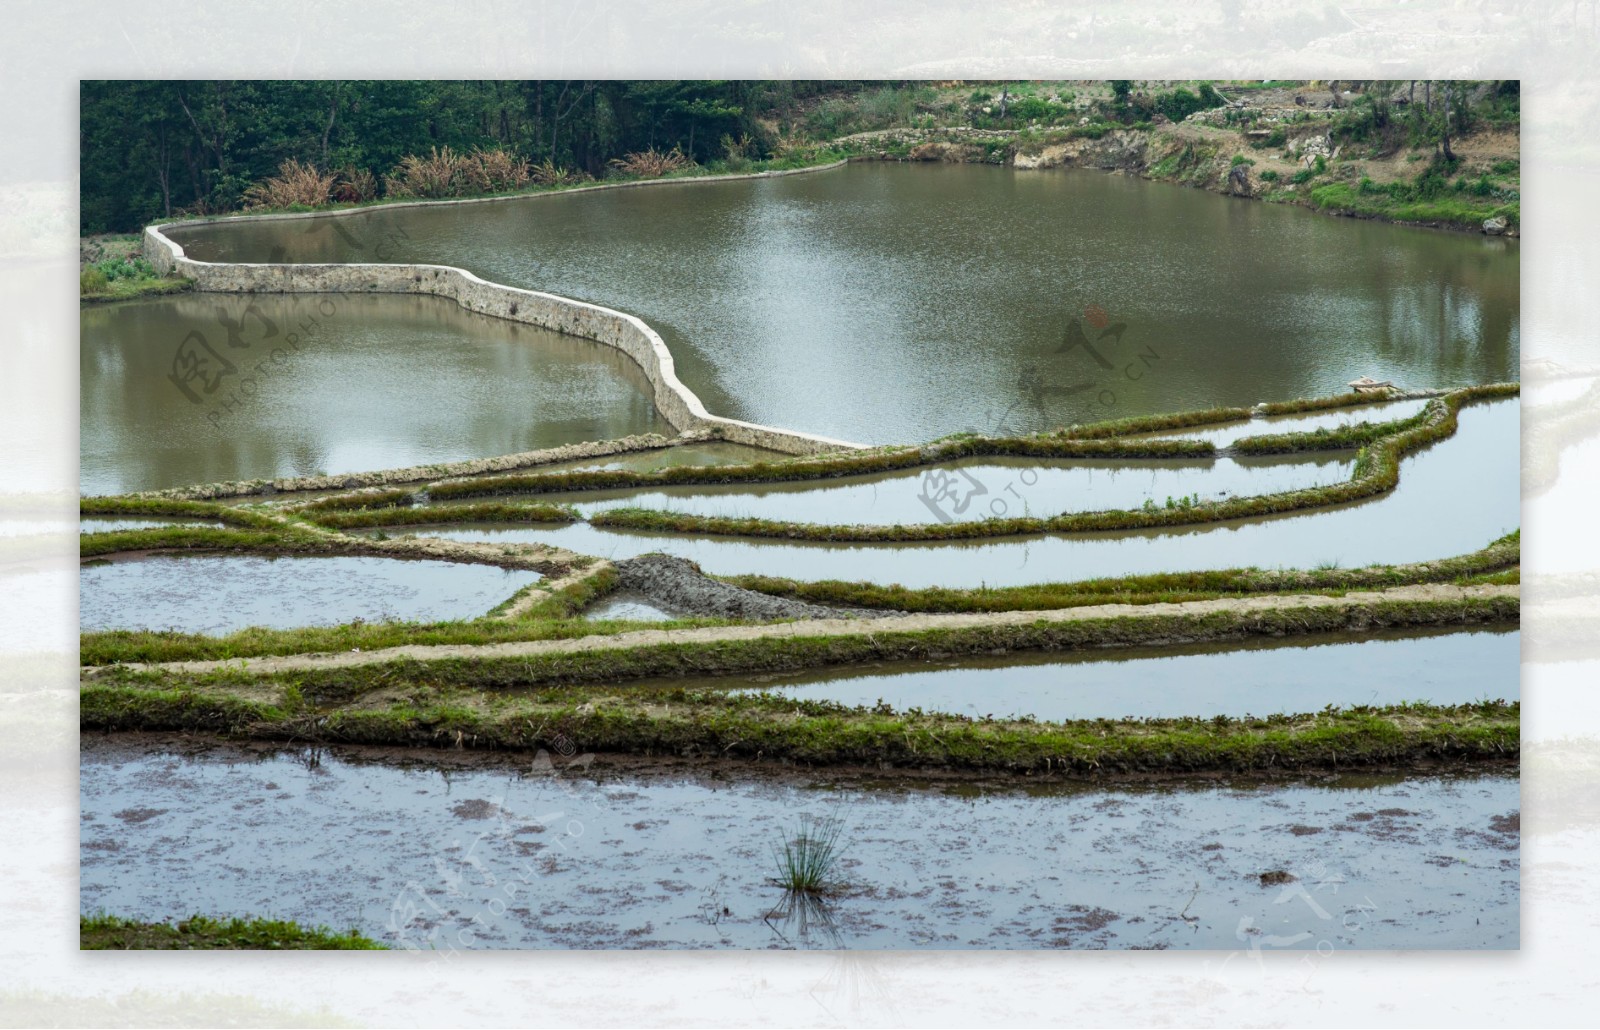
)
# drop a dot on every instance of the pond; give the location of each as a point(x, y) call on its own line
point(221, 594)
point(381, 382)
point(1454, 497)
point(898, 303)
point(476, 851)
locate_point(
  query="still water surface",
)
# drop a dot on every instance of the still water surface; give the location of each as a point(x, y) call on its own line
point(381, 382)
point(1456, 496)
point(898, 303)
point(1257, 679)
point(223, 593)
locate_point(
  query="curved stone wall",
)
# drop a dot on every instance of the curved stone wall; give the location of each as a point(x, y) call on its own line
point(677, 403)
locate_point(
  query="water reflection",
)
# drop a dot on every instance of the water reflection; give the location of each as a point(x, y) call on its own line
point(897, 303)
point(381, 382)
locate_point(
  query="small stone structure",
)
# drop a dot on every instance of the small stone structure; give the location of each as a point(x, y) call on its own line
point(676, 402)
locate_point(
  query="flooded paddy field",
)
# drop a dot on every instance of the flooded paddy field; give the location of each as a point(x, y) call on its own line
point(1259, 678)
point(115, 524)
point(1310, 422)
point(876, 303)
point(852, 302)
point(221, 593)
point(1454, 497)
point(716, 452)
point(461, 851)
point(381, 382)
point(1038, 487)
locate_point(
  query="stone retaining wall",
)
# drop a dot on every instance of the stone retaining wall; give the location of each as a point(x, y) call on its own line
point(676, 402)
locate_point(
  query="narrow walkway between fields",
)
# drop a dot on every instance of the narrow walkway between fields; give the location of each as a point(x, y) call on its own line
point(837, 628)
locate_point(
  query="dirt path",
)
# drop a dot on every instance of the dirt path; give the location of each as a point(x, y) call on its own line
point(838, 628)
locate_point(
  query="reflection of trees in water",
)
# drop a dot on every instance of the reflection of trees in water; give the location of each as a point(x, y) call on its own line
point(1457, 330)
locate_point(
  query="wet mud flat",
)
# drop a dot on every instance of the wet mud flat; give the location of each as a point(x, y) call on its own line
point(222, 593)
point(464, 850)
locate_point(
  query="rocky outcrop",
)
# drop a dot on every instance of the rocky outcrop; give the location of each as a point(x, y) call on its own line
point(945, 151)
point(678, 585)
point(1119, 150)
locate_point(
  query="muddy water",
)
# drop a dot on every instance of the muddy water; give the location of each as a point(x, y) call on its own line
point(625, 605)
point(220, 594)
point(501, 853)
point(975, 489)
point(1454, 497)
point(1260, 679)
point(897, 303)
point(375, 382)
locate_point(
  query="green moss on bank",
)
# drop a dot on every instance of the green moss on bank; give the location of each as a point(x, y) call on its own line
point(516, 514)
point(633, 659)
point(827, 466)
point(1376, 471)
point(821, 733)
point(205, 933)
point(1348, 436)
point(1462, 210)
point(1494, 564)
point(133, 506)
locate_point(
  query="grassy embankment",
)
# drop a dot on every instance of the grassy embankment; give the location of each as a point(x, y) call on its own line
point(393, 708)
point(123, 276)
point(1498, 564)
point(558, 616)
point(204, 933)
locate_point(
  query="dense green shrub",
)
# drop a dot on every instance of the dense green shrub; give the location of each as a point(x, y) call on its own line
point(91, 280)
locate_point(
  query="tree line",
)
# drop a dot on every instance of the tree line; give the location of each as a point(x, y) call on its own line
point(150, 150)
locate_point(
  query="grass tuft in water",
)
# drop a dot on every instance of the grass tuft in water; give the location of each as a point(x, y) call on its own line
point(808, 862)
